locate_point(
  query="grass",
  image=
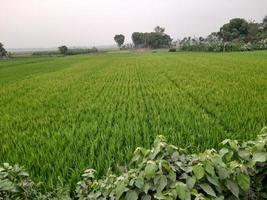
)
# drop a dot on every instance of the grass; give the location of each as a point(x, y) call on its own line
point(62, 115)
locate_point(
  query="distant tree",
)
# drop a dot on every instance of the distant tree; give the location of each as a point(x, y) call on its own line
point(213, 38)
point(157, 39)
point(119, 39)
point(159, 29)
point(63, 49)
point(254, 32)
point(138, 39)
point(235, 30)
point(3, 52)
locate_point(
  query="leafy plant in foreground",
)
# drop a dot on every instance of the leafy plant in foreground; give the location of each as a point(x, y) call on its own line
point(237, 171)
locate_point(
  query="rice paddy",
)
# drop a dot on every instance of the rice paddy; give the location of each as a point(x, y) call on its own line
point(61, 115)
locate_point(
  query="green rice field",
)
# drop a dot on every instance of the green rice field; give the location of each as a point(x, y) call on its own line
point(61, 115)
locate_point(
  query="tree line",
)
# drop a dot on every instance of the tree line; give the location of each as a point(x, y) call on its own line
point(238, 34)
point(156, 39)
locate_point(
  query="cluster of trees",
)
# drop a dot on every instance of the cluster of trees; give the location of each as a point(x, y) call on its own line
point(66, 51)
point(3, 52)
point(238, 34)
point(242, 31)
point(156, 39)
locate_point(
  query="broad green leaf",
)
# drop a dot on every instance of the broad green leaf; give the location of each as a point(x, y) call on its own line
point(159, 196)
point(243, 181)
point(131, 195)
point(175, 156)
point(147, 187)
point(260, 146)
point(233, 187)
point(139, 182)
point(259, 157)
point(198, 171)
point(23, 174)
point(233, 144)
point(190, 182)
point(209, 168)
point(213, 180)
point(208, 189)
point(172, 176)
point(150, 169)
point(223, 173)
point(120, 189)
point(182, 191)
point(245, 154)
point(223, 151)
point(162, 182)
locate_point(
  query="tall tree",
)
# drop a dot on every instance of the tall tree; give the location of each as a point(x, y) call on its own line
point(254, 32)
point(159, 29)
point(156, 39)
point(3, 52)
point(235, 30)
point(264, 23)
point(119, 39)
point(63, 49)
point(138, 39)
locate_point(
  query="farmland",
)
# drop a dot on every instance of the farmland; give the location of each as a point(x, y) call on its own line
point(60, 115)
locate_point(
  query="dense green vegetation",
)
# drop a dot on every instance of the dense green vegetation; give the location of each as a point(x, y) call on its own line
point(164, 172)
point(62, 115)
point(236, 35)
point(154, 40)
point(3, 52)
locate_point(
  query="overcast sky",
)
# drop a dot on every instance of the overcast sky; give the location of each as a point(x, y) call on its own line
point(50, 23)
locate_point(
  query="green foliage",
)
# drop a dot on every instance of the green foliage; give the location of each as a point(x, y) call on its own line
point(236, 171)
point(264, 23)
point(63, 49)
point(236, 29)
point(172, 50)
point(3, 52)
point(15, 183)
point(78, 112)
point(157, 39)
point(119, 39)
point(237, 35)
point(78, 51)
point(46, 53)
point(74, 51)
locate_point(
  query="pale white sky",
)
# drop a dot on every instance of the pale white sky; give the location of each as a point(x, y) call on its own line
point(50, 23)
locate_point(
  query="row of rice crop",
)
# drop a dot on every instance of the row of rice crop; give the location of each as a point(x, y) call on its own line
point(62, 115)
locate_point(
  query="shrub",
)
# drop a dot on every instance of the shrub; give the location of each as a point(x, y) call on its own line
point(172, 50)
point(167, 172)
point(236, 171)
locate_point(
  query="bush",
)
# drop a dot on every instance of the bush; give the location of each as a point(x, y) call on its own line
point(167, 172)
point(236, 171)
point(46, 53)
point(221, 47)
point(81, 51)
point(172, 50)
